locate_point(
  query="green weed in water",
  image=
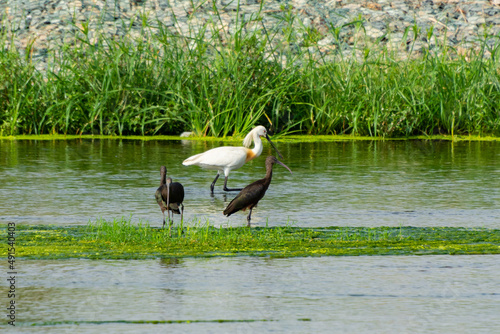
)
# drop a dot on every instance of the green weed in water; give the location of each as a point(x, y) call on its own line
point(120, 239)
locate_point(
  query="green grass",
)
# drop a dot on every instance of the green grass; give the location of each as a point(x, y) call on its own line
point(237, 139)
point(120, 239)
point(217, 83)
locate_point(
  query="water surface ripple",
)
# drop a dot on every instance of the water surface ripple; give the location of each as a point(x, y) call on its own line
point(374, 183)
point(416, 183)
point(375, 294)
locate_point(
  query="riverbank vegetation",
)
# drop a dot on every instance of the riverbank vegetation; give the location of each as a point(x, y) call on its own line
point(219, 83)
point(120, 239)
point(236, 140)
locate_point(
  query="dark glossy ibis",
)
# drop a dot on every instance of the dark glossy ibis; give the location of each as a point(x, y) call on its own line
point(170, 196)
point(227, 158)
point(253, 193)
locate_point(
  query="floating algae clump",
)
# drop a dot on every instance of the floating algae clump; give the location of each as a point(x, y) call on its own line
point(120, 239)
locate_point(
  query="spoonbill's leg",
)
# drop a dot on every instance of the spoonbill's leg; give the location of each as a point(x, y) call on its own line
point(213, 183)
point(227, 189)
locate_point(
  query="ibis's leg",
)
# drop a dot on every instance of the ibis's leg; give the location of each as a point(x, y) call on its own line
point(249, 217)
point(168, 204)
point(227, 189)
point(182, 212)
point(213, 183)
point(168, 216)
point(163, 212)
point(170, 222)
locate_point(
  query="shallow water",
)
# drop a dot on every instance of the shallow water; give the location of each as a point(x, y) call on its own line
point(379, 294)
point(345, 183)
point(392, 183)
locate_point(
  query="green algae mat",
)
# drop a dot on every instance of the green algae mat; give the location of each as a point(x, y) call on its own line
point(278, 138)
point(120, 239)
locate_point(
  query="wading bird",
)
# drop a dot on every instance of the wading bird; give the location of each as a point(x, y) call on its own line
point(253, 193)
point(169, 196)
point(226, 158)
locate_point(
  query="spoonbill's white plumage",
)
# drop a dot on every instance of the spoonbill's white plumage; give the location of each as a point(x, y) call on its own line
point(227, 158)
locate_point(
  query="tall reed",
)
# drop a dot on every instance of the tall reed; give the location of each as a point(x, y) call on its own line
point(218, 82)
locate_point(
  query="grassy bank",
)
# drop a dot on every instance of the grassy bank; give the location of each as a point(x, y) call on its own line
point(236, 140)
point(122, 240)
point(217, 83)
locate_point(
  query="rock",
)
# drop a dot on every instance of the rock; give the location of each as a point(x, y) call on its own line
point(458, 21)
point(374, 6)
point(374, 33)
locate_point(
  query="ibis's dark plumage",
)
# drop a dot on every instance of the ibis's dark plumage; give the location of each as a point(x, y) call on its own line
point(253, 193)
point(169, 196)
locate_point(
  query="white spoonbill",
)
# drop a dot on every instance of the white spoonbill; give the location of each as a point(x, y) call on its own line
point(226, 158)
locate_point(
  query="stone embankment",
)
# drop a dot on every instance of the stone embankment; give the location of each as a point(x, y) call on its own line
point(42, 25)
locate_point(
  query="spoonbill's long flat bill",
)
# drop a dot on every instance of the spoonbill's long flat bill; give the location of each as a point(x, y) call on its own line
point(227, 158)
point(253, 193)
